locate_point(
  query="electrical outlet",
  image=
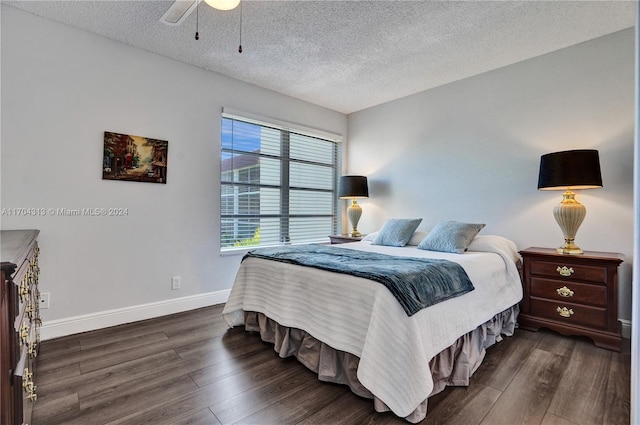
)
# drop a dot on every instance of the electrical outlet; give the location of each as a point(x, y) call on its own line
point(44, 300)
point(175, 283)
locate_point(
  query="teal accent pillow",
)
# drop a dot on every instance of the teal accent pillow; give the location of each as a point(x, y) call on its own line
point(450, 236)
point(396, 232)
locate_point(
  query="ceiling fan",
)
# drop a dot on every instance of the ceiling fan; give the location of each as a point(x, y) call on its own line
point(181, 9)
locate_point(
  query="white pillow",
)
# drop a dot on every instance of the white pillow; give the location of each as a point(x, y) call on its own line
point(417, 237)
point(370, 237)
point(494, 243)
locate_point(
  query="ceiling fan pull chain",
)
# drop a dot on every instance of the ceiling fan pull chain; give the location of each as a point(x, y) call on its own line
point(197, 35)
point(240, 46)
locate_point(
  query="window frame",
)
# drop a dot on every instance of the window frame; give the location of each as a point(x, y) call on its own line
point(286, 130)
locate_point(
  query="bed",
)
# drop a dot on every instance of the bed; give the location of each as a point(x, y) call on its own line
point(353, 331)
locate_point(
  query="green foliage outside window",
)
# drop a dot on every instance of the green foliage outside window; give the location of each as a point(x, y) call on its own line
point(254, 241)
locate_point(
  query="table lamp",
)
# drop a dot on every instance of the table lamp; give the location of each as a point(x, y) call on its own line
point(353, 187)
point(567, 170)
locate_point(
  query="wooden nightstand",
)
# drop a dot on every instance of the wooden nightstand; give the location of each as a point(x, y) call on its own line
point(572, 294)
point(337, 239)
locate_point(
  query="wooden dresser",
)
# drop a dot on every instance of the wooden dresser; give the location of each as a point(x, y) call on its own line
point(572, 294)
point(19, 325)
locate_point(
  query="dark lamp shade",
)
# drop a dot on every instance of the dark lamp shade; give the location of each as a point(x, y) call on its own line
point(353, 187)
point(576, 169)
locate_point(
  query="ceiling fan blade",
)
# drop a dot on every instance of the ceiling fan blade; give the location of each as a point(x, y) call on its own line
point(178, 12)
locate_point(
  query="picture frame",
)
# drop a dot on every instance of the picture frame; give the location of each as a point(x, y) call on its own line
point(134, 158)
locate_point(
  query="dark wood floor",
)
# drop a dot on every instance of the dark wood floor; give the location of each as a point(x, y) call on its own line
point(189, 368)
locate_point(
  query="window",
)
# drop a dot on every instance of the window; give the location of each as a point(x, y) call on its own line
point(278, 186)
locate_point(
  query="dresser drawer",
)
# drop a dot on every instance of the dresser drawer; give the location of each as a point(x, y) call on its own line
point(568, 291)
point(569, 271)
point(595, 317)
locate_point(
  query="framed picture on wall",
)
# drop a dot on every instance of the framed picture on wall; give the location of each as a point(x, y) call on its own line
point(134, 158)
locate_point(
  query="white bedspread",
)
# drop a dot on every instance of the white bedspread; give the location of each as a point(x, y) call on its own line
point(363, 318)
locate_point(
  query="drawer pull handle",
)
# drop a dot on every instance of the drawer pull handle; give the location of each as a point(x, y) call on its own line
point(24, 334)
point(33, 349)
point(27, 377)
point(565, 292)
point(30, 309)
point(24, 290)
point(564, 311)
point(564, 271)
point(28, 386)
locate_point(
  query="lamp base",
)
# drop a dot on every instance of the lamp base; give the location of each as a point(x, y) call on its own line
point(569, 214)
point(354, 212)
point(570, 248)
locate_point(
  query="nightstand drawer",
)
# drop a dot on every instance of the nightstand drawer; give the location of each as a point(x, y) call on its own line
point(567, 270)
point(567, 291)
point(574, 314)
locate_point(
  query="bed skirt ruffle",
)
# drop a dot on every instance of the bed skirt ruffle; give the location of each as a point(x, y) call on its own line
point(451, 367)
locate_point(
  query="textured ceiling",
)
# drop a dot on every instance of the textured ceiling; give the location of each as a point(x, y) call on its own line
point(349, 55)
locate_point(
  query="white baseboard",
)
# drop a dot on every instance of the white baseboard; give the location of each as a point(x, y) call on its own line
point(103, 319)
point(625, 328)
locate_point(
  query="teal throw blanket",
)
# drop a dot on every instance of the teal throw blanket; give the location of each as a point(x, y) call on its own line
point(415, 282)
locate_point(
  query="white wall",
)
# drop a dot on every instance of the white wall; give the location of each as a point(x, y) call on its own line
point(470, 150)
point(61, 89)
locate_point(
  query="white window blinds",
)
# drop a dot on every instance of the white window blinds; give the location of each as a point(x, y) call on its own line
point(278, 186)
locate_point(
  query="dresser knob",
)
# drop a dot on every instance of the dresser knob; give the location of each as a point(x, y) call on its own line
point(564, 271)
point(564, 311)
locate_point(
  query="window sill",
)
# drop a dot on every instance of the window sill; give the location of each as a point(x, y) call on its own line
point(244, 250)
